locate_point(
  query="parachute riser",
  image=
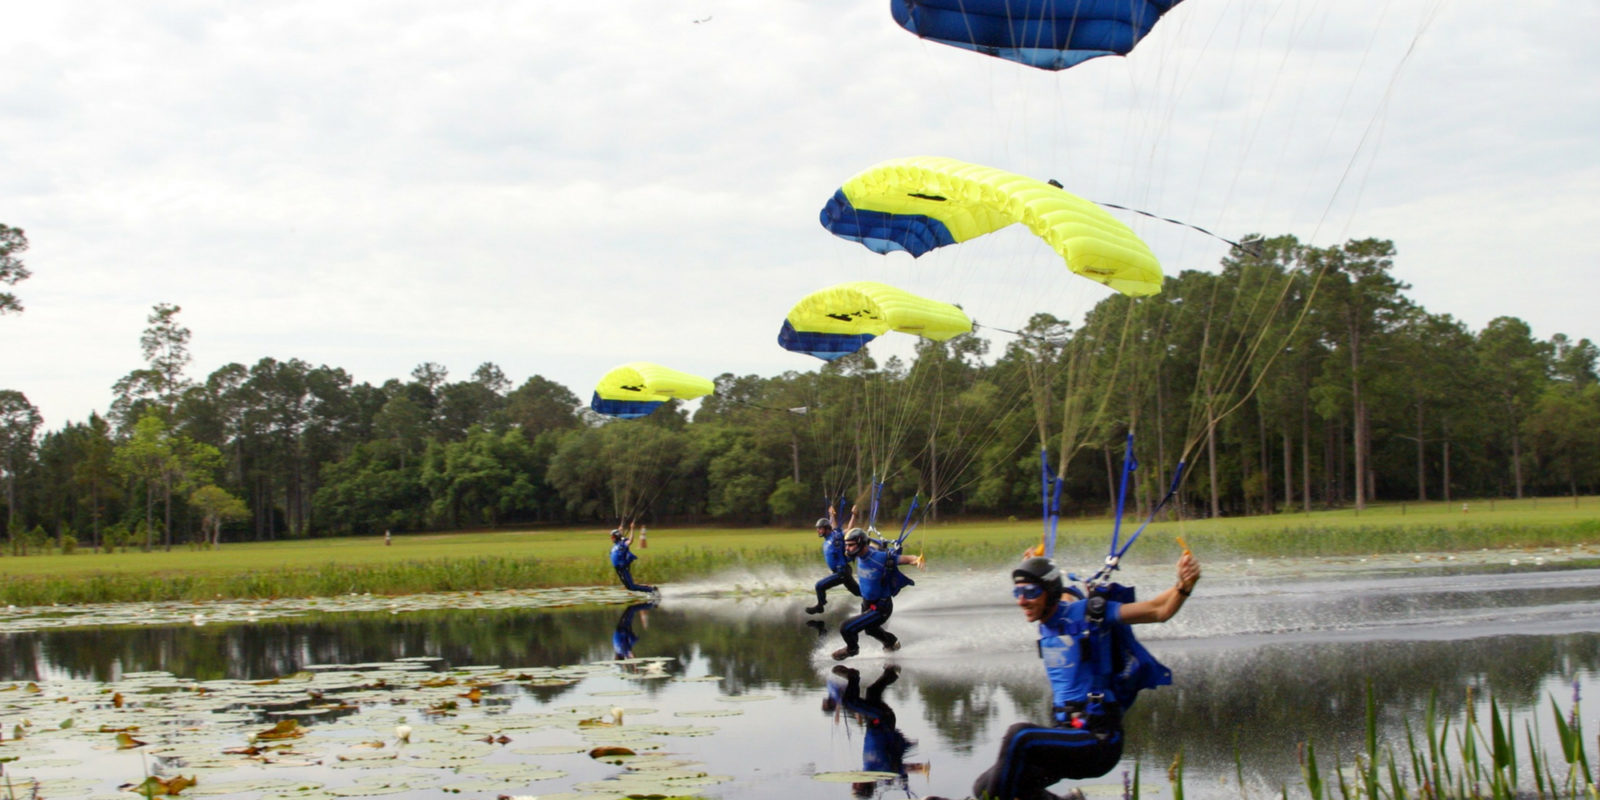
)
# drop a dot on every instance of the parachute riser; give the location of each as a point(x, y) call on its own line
point(1115, 553)
point(1050, 496)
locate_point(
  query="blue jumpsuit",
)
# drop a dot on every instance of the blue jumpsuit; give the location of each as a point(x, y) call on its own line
point(880, 578)
point(1085, 740)
point(622, 559)
point(839, 564)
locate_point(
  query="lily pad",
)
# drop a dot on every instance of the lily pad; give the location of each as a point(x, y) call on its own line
point(854, 776)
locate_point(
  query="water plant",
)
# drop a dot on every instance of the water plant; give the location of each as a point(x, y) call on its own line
point(1456, 762)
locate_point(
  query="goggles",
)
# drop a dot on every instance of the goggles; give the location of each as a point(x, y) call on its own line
point(1027, 591)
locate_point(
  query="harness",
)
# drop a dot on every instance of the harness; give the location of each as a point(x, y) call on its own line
point(879, 574)
point(621, 555)
point(1096, 687)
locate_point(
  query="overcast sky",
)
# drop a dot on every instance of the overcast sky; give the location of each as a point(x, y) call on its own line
point(560, 188)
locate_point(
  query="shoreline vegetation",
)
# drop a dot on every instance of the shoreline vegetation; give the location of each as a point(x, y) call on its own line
point(529, 559)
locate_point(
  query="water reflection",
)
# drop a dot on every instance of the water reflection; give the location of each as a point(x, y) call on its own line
point(625, 637)
point(883, 745)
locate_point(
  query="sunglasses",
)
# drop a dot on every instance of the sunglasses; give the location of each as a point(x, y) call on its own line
point(1027, 591)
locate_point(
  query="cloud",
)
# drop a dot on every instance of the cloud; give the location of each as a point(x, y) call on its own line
point(559, 189)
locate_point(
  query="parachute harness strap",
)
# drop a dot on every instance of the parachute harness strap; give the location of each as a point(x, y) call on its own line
point(1114, 556)
point(872, 516)
point(1050, 495)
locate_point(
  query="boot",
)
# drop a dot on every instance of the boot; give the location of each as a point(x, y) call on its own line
point(816, 609)
point(843, 653)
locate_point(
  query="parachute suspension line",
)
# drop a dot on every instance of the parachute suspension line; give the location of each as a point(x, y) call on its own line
point(973, 429)
point(907, 526)
point(1115, 553)
point(872, 515)
point(1430, 14)
point(1321, 270)
point(1076, 431)
point(1248, 244)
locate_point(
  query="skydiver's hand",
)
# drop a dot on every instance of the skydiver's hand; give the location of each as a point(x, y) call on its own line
point(1188, 571)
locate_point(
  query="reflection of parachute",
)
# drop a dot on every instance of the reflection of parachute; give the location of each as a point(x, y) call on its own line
point(918, 204)
point(635, 389)
point(1048, 34)
point(839, 320)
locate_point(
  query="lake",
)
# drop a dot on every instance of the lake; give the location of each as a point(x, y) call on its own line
point(731, 693)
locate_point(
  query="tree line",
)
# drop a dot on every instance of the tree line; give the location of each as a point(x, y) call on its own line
point(1293, 377)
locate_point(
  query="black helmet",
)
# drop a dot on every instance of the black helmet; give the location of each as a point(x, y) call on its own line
point(1042, 571)
point(616, 536)
point(856, 535)
point(822, 522)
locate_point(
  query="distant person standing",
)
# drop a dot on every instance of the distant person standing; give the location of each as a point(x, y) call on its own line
point(622, 559)
point(386, 540)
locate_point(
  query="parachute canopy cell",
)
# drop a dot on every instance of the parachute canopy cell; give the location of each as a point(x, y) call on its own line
point(1048, 34)
point(635, 389)
point(919, 204)
point(841, 319)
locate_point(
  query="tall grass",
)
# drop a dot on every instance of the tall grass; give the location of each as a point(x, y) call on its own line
point(540, 559)
point(1465, 762)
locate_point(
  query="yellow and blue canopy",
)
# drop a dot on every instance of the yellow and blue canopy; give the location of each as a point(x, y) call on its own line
point(637, 388)
point(919, 204)
point(840, 320)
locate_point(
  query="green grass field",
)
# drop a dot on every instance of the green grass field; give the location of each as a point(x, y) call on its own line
point(567, 557)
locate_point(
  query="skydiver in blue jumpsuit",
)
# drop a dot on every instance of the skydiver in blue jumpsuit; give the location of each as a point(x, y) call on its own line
point(838, 565)
point(622, 560)
point(879, 577)
point(1079, 641)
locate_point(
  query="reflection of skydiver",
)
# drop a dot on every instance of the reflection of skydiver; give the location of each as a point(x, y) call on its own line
point(883, 746)
point(838, 565)
point(623, 640)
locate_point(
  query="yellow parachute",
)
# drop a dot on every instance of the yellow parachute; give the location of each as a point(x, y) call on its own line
point(637, 388)
point(918, 204)
point(841, 319)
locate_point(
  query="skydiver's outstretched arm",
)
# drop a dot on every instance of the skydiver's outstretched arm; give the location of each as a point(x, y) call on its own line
point(1164, 606)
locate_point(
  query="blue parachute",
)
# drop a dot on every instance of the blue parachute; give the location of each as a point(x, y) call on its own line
point(1048, 34)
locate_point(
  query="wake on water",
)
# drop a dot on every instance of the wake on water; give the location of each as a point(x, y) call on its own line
point(961, 617)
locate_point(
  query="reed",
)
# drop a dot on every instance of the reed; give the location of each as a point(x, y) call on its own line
point(1461, 761)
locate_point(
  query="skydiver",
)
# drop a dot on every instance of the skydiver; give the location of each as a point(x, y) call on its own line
point(833, 553)
point(880, 580)
point(622, 559)
point(1079, 642)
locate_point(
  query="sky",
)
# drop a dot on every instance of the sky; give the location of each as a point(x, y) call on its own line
point(562, 188)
